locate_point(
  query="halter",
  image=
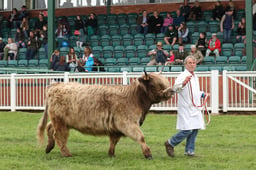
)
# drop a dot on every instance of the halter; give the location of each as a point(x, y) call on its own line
point(206, 112)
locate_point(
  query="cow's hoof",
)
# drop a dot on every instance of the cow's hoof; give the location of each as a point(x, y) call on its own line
point(149, 157)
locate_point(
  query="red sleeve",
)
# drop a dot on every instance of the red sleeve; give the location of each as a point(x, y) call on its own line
point(217, 45)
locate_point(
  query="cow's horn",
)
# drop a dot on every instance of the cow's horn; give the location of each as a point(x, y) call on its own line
point(146, 75)
point(165, 90)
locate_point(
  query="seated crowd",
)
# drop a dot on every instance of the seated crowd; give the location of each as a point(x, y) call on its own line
point(174, 28)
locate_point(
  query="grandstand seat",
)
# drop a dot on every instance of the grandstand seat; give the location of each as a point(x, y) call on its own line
point(105, 40)
point(72, 40)
point(122, 61)
point(97, 51)
point(187, 47)
point(241, 68)
point(220, 36)
point(164, 68)
point(134, 61)
point(138, 39)
point(12, 63)
point(149, 39)
point(43, 63)
point(113, 29)
point(110, 62)
point(130, 51)
point(167, 47)
point(21, 53)
point(2, 72)
point(227, 49)
point(3, 63)
point(132, 18)
point(116, 40)
point(151, 69)
point(209, 60)
point(127, 39)
point(41, 53)
point(229, 68)
point(113, 69)
point(238, 49)
point(145, 60)
point(121, 18)
point(191, 26)
point(23, 63)
point(244, 60)
point(202, 26)
point(107, 51)
point(219, 68)
point(202, 68)
point(128, 69)
point(175, 47)
point(33, 63)
point(138, 69)
point(124, 29)
point(222, 60)
point(111, 19)
point(142, 51)
point(94, 40)
point(194, 37)
point(214, 26)
point(176, 68)
point(160, 37)
point(103, 29)
point(151, 47)
point(133, 29)
point(118, 51)
point(234, 60)
point(207, 15)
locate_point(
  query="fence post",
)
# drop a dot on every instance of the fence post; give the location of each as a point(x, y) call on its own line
point(66, 79)
point(225, 90)
point(215, 91)
point(125, 78)
point(13, 92)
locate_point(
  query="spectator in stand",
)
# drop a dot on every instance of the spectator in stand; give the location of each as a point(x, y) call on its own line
point(158, 55)
point(44, 40)
point(179, 19)
point(180, 55)
point(227, 25)
point(196, 12)
point(241, 31)
point(79, 28)
point(20, 39)
point(167, 21)
point(202, 43)
point(218, 11)
point(171, 59)
point(171, 35)
point(68, 4)
point(214, 46)
point(1, 22)
point(33, 44)
point(40, 23)
point(61, 65)
point(183, 32)
point(10, 50)
point(88, 59)
point(91, 24)
point(24, 26)
point(55, 58)
point(65, 24)
point(155, 23)
point(142, 22)
point(12, 19)
point(231, 6)
point(185, 10)
point(23, 13)
point(71, 59)
point(197, 54)
point(61, 34)
point(2, 45)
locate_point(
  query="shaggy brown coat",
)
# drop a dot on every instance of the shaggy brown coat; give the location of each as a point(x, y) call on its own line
point(115, 111)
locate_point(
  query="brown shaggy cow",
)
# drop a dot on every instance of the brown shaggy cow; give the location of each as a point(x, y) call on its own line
point(115, 111)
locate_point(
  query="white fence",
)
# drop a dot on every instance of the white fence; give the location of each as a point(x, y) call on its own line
point(27, 91)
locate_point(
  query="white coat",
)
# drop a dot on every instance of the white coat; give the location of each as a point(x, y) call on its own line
point(189, 117)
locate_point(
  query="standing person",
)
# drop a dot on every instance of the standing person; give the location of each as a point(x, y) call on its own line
point(142, 22)
point(189, 118)
point(227, 25)
point(44, 40)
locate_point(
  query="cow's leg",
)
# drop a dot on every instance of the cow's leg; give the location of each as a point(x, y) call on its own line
point(51, 141)
point(133, 131)
point(113, 141)
point(61, 136)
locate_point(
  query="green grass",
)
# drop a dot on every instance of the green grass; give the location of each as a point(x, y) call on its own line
point(228, 143)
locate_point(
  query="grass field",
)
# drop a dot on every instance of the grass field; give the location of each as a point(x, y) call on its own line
point(228, 143)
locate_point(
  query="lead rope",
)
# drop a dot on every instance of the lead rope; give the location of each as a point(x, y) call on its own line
point(206, 113)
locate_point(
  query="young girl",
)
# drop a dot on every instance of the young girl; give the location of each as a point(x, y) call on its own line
point(71, 58)
point(170, 60)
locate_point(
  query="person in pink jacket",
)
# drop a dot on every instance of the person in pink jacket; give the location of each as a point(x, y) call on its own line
point(214, 46)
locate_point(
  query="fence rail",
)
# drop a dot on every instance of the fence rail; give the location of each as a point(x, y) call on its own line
point(229, 90)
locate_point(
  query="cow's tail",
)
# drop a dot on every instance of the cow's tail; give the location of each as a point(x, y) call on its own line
point(42, 125)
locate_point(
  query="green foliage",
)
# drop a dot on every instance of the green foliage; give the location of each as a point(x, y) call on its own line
point(228, 143)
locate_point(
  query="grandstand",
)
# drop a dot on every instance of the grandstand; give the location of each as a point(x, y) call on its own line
point(119, 46)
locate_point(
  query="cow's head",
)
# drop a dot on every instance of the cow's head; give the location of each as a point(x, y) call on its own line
point(156, 87)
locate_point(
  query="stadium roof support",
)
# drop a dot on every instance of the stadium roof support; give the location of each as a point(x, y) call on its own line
point(249, 34)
